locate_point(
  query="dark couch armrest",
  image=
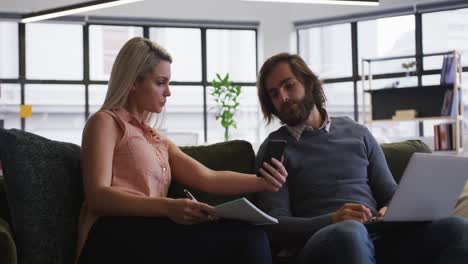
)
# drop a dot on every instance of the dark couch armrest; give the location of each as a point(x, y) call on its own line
point(7, 245)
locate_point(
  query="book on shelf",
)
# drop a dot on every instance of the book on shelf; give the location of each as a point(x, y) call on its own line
point(447, 81)
point(443, 70)
point(445, 135)
point(448, 69)
point(451, 136)
point(453, 104)
point(448, 104)
point(448, 96)
point(436, 137)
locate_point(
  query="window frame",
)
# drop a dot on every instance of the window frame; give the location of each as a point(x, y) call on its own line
point(145, 24)
point(417, 11)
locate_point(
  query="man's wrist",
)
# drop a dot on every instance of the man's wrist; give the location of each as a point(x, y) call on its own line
point(332, 218)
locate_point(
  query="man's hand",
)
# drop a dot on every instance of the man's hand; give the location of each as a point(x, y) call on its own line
point(382, 212)
point(351, 211)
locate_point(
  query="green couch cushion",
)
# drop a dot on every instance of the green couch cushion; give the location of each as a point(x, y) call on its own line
point(44, 192)
point(235, 155)
point(461, 209)
point(7, 245)
point(4, 209)
point(398, 155)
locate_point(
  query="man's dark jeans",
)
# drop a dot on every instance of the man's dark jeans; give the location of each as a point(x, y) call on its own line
point(442, 241)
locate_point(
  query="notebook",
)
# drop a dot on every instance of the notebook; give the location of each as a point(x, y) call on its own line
point(243, 209)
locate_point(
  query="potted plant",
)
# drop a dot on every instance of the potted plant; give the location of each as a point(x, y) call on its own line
point(226, 97)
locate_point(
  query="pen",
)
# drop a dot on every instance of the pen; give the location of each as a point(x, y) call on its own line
point(189, 195)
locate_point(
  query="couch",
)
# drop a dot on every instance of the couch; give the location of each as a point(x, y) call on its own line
point(41, 191)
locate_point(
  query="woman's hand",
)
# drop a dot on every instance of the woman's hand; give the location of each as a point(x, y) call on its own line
point(272, 177)
point(188, 212)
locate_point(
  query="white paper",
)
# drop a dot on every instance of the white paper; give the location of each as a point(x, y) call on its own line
point(243, 209)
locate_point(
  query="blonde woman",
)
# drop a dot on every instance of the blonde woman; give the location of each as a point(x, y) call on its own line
point(128, 166)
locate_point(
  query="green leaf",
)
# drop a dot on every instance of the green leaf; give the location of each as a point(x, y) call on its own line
point(226, 97)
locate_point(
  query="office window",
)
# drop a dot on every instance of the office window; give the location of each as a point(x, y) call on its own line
point(381, 84)
point(9, 50)
point(233, 52)
point(57, 111)
point(182, 121)
point(444, 31)
point(10, 100)
point(54, 51)
point(385, 37)
point(387, 131)
point(433, 79)
point(340, 99)
point(105, 43)
point(327, 50)
point(184, 45)
point(97, 94)
point(55, 85)
point(247, 117)
point(391, 83)
point(385, 83)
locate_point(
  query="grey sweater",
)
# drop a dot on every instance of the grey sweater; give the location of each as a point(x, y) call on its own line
point(326, 170)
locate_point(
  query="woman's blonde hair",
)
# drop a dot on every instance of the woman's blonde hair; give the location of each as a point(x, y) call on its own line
point(136, 59)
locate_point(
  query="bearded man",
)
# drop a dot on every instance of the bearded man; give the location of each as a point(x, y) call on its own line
point(338, 179)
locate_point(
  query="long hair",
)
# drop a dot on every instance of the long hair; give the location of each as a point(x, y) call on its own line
point(301, 71)
point(136, 59)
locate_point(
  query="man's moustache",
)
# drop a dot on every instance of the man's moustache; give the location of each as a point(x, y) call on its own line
point(288, 104)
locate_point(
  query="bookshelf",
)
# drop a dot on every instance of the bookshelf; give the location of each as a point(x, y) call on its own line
point(427, 101)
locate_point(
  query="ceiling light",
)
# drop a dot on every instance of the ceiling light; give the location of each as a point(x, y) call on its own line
point(326, 2)
point(72, 9)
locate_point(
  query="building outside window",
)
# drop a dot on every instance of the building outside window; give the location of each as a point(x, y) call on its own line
point(58, 109)
point(444, 31)
point(385, 37)
point(327, 52)
point(10, 94)
point(234, 52)
point(61, 98)
point(390, 36)
point(104, 45)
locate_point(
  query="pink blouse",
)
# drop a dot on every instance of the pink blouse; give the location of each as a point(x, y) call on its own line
point(140, 165)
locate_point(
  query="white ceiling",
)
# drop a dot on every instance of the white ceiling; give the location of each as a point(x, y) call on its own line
point(207, 9)
point(276, 30)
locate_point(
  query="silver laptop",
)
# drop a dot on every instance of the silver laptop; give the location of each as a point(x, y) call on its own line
point(429, 188)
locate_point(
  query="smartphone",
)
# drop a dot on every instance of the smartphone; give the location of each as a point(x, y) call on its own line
point(275, 149)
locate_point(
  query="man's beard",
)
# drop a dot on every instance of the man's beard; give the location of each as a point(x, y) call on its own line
point(295, 112)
